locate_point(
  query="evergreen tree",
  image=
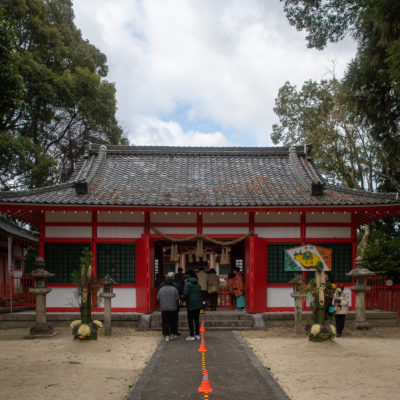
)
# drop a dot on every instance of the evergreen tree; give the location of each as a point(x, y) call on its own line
point(57, 96)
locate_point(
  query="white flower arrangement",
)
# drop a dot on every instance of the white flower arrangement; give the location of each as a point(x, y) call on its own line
point(318, 332)
point(84, 330)
point(98, 323)
point(315, 329)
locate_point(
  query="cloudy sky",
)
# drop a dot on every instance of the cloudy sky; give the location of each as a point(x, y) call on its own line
point(201, 72)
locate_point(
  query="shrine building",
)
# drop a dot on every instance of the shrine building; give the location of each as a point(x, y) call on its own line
point(145, 211)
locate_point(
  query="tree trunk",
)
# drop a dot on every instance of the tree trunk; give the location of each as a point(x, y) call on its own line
point(86, 309)
point(364, 241)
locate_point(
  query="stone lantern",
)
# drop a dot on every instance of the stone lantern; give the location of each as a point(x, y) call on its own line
point(108, 294)
point(360, 275)
point(40, 290)
point(298, 283)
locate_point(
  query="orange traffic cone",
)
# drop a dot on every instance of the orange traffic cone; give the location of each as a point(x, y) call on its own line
point(202, 348)
point(205, 384)
point(202, 329)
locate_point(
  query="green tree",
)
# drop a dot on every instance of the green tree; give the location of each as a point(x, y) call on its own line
point(345, 152)
point(372, 87)
point(373, 78)
point(58, 94)
point(319, 113)
point(382, 254)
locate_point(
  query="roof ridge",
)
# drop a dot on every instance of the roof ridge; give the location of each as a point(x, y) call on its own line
point(82, 185)
point(384, 195)
point(239, 150)
point(46, 189)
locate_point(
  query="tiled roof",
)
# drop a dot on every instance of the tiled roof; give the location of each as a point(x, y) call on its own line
point(197, 177)
point(9, 227)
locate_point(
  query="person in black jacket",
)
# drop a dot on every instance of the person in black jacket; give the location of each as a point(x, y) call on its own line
point(168, 297)
point(194, 302)
point(172, 277)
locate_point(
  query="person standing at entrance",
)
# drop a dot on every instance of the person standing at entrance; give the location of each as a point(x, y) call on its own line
point(168, 297)
point(229, 286)
point(194, 301)
point(213, 288)
point(179, 279)
point(202, 280)
point(238, 289)
point(341, 300)
point(172, 276)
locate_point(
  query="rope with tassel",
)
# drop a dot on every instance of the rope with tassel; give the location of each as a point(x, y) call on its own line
point(200, 236)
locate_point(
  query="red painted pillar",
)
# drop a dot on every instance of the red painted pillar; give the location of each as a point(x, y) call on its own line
point(144, 264)
point(199, 223)
point(42, 234)
point(93, 249)
point(256, 274)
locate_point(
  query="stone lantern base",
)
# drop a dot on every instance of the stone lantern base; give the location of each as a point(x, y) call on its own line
point(41, 330)
point(362, 325)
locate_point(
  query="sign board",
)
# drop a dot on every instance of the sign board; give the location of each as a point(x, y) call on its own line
point(305, 258)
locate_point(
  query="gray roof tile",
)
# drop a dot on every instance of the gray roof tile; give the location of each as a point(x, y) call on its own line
point(196, 177)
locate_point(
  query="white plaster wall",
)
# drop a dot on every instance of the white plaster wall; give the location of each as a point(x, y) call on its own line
point(338, 217)
point(68, 216)
point(62, 297)
point(173, 217)
point(184, 230)
point(276, 218)
point(278, 232)
point(124, 297)
point(280, 297)
point(116, 216)
point(68, 231)
point(119, 231)
point(225, 218)
point(226, 230)
point(328, 232)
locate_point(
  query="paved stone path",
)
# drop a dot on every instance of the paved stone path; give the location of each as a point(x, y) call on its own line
point(235, 373)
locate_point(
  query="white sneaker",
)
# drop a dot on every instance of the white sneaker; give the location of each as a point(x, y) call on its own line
point(190, 338)
point(167, 338)
point(197, 337)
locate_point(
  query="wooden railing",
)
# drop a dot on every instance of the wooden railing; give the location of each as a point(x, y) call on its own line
point(381, 296)
point(17, 294)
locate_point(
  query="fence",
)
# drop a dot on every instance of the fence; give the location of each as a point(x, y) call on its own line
point(381, 296)
point(17, 294)
point(224, 298)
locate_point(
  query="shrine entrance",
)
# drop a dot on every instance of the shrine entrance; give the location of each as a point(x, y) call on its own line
point(170, 257)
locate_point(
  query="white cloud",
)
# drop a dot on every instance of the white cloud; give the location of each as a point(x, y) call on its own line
point(151, 131)
point(225, 60)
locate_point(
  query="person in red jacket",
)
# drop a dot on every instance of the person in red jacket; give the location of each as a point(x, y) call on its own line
point(238, 289)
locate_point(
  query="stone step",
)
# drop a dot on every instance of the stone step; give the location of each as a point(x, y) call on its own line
point(210, 321)
point(210, 316)
point(217, 325)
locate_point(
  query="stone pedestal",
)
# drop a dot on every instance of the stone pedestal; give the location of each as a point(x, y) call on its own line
point(298, 312)
point(40, 290)
point(360, 287)
point(107, 312)
point(41, 328)
point(298, 284)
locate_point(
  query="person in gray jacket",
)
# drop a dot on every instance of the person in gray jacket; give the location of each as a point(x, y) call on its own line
point(168, 298)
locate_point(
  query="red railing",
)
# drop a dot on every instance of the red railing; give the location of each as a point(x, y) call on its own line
point(381, 296)
point(224, 298)
point(17, 294)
